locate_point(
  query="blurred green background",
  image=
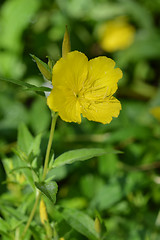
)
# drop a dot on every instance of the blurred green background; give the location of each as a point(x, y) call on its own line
point(125, 188)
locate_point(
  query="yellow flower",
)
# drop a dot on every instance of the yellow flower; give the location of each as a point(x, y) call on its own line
point(155, 111)
point(85, 87)
point(116, 35)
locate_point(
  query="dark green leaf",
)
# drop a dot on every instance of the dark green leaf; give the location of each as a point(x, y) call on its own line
point(49, 189)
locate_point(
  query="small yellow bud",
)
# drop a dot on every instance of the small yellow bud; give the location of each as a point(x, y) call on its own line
point(43, 212)
point(97, 225)
point(61, 238)
point(66, 47)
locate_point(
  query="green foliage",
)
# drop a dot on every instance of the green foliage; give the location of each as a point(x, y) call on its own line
point(123, 190)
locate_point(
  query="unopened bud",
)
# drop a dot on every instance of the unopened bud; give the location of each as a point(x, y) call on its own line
point(97, 225)
point(66, 47)
point(43, 212)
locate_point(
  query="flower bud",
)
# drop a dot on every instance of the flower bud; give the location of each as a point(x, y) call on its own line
point(66, 44)
point(43, 212)
point(97, 225)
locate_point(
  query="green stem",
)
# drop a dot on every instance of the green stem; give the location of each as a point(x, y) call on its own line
point(31, 215)
point(45, 170)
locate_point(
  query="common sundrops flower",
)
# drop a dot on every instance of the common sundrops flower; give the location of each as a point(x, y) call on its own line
point(85, 87)
point(116, 34)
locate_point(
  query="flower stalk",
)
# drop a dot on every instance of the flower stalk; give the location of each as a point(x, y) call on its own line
point(45, 170)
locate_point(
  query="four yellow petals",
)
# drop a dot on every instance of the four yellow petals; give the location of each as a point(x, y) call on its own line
point(85, 87)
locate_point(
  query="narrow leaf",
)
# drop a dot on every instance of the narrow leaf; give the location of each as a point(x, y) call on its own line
point(39, 89)
point(78, 155)
point(80, 222)
point(27, 85)
point(18, 82)
point(49, 189)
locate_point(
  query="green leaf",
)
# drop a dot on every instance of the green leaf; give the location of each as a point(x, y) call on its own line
point(4, 225)
point(43, 68)
point(25, 141)
point(14, 12)
point(39, 89)
point(39, 116)
point(29, 86)
point(78, 155)
point(15, 213)
point(19, 168)
point(107, 196)
point(49, 189)
point(25, 138)
point(36, 144)
point(80, 222)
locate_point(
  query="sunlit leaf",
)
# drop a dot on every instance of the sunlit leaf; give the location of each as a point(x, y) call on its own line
point(79, 155)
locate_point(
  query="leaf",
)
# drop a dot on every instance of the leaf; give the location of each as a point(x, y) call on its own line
point(15, 213)
point(78, 155)
point(26, 170)
point(4, 225)
point(43, 67)
point(39, 116)
point(14, 12)
point(25, 138)
point(39, 89)
point(107, 196)
point(49, 189)
point(36, 144)
point(80, 222)
point(19, 168)
point(28, 152)
point(114, 191)
point(29, 86)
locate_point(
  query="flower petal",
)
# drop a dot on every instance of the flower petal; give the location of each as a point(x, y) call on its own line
point(101, 111)
point(65, 103)
point(71, 71)
point(102, 78)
